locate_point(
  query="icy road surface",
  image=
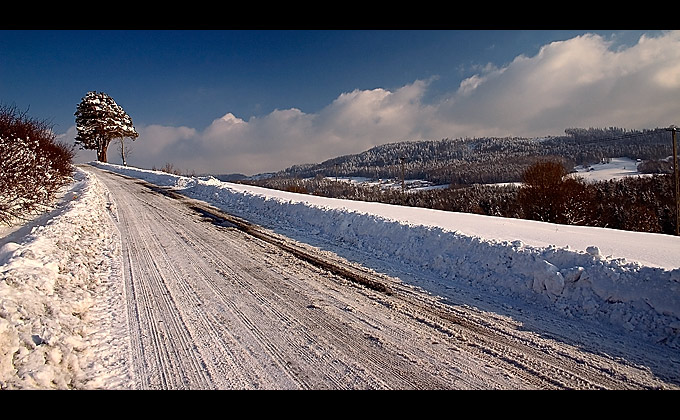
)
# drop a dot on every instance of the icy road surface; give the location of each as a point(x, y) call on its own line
point(214, 303)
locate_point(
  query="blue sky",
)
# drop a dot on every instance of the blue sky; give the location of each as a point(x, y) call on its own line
point(254, 101)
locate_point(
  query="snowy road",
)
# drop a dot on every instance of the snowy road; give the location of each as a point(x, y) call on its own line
point(214, 304)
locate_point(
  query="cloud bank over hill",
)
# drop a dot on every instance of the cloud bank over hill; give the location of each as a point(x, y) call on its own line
point(582, 82)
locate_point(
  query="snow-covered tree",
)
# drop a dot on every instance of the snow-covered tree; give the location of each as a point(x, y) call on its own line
point(99, 119)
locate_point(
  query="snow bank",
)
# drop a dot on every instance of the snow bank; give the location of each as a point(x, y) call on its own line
point(539, 262)
point(60, 302)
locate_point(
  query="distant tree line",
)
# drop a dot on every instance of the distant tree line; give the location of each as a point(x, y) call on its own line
point(172, 169)
point(467, 161)
point(547, 193)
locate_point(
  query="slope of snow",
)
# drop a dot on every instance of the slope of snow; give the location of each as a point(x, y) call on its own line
point(616, 168)
point(56, 288)
point(630, 280)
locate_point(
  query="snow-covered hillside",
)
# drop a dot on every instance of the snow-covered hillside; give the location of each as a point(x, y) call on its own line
point(613, 169)
point(630, 280)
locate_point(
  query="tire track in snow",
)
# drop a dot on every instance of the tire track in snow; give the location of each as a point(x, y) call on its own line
point(315, 319)
point(211, 306)
point(162, 362)
point(246, 279)
point(203, 273)
point(268, 334)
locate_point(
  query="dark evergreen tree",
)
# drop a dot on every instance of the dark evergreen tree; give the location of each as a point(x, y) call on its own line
point(99, 119)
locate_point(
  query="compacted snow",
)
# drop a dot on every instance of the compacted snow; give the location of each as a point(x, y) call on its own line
point(56, 288)
point(623, 280)
point(629, 279)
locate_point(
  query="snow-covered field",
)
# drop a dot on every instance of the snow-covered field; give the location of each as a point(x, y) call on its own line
point(615, 168)
point(54, 286)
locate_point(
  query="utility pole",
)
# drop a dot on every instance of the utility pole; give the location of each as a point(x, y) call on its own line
point(673, 129)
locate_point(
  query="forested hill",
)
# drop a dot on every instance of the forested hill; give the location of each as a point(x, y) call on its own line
point(490, 159)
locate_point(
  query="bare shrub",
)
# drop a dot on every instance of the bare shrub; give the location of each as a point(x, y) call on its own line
point(33, 167)
point(548, 195)
point(168, 168)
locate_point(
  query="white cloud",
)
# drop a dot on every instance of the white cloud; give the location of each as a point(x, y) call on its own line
point(580, 82)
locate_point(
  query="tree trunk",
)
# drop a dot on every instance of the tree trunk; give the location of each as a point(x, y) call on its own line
point(122, 152)
point(101, 154)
